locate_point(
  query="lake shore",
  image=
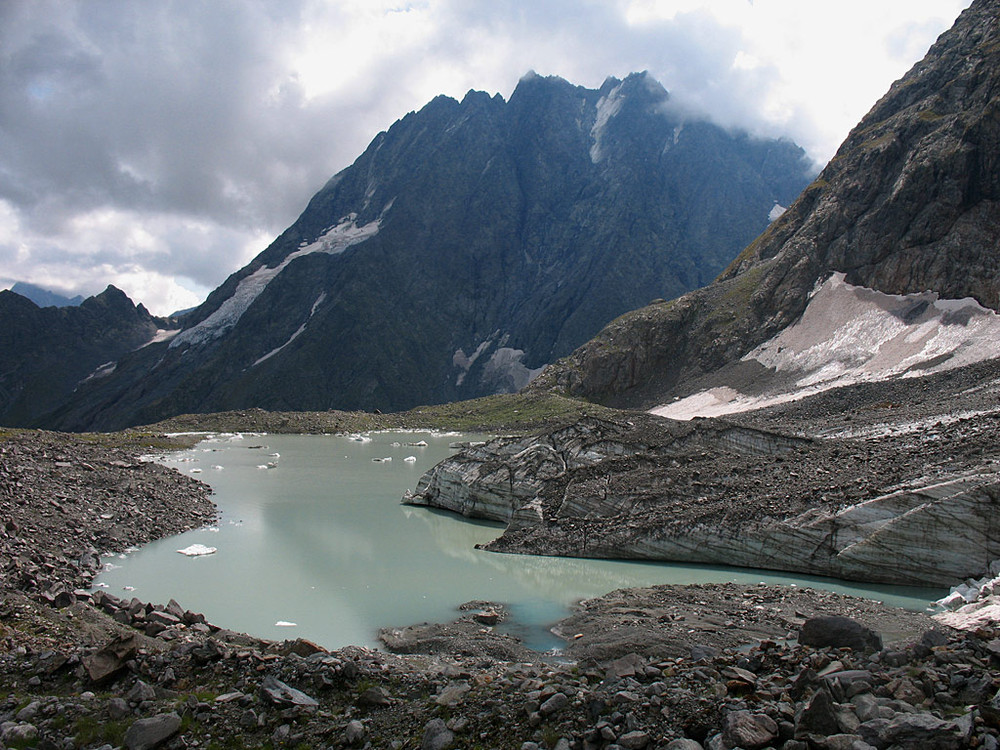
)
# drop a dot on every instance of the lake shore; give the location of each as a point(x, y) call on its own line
point(87, 671)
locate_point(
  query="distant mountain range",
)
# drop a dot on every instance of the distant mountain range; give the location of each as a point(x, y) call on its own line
point(44, 297)
point(47, 352)
point(470, 245)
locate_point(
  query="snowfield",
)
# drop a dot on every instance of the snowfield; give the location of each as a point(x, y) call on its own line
point(850, 334)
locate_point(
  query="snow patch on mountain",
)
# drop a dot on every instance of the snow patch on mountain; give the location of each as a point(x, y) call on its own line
point(333, 241)
point(850, 334)
point(463, 361)
point(776, 211)
point(607, 107)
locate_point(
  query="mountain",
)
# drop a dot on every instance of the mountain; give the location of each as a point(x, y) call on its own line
point(45, 352)
point(909, 204)
point(469, 245)
point(856, 347)
point(44, 297)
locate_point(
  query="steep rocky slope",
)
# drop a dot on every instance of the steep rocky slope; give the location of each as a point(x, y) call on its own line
point(910, 202)
point(471, 244)
point(46, 352)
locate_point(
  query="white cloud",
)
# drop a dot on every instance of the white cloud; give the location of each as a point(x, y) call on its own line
point(156, 146)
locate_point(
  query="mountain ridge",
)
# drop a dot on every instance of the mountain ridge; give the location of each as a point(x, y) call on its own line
point(470, 244)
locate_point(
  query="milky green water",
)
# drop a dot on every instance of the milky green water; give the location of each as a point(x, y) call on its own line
point(314, 543)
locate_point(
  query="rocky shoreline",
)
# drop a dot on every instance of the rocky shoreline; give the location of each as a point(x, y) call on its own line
point(669, 667)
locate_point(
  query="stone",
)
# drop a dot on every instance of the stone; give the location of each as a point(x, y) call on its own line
point(554, 703)
point(279, 693)
point(452, 695)
point(145, 734)
point(818, 717)
point(835, 631)
point(354, 732)
point(437, 736)
point(636, 740)
point(748, 730)
point(19, 735)
point(106, 662)
point(375, 696)
point(684, 744)
point(118, 708)
point(141, 692)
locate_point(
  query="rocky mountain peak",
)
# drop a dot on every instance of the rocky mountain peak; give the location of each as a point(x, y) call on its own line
point(471, 244)
point(910, 202)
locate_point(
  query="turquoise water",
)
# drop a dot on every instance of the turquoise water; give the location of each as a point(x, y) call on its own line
point(314, 543)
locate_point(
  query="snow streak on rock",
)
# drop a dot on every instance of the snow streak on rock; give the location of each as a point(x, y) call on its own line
point(335, 240)
point(607, 107)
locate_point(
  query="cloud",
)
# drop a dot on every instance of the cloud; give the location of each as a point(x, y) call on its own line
point(158, 146)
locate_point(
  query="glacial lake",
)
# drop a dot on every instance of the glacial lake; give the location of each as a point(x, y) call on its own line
point(312, 542)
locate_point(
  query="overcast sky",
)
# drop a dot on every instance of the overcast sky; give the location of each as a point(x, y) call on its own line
point(159, 146)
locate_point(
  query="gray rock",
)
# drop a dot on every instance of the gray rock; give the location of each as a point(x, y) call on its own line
point(838, 632)
point(818, 717)
point(152, 732)
point(354, 732)
point(19, 735)
point(141, 692)
point(748, 730)
point(453, 695)
point(284, 695)
point(29, 713)
point(437, 736)
point(118, 708)
point(636, 740)
point(554, 703)
point(684, 744)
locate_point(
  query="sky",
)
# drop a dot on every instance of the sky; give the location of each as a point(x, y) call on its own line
point(160, 146)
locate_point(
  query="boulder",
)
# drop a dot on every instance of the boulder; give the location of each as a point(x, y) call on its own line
point(145, 734)
point(838, 632)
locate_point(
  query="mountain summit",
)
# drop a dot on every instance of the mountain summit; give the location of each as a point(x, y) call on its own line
point(468, 246)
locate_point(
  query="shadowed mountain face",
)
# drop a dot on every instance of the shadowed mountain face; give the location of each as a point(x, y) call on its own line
point(471, 244)
point(46, 352)
point(911, 202)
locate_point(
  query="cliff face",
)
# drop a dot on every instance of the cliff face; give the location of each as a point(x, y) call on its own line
point(910, 202)
point(468, 246)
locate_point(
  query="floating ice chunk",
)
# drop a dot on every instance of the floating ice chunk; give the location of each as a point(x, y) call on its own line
point(410, 459)
point(196, 471)
point(128, 588)
point(196, 550)
point(382, 460)
point(418, 444)
point(217, 467)
point(285, 624)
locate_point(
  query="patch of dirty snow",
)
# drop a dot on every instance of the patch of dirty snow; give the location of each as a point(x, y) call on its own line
point(850, 334)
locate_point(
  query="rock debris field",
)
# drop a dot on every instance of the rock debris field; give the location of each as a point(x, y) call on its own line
point(712, 666)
